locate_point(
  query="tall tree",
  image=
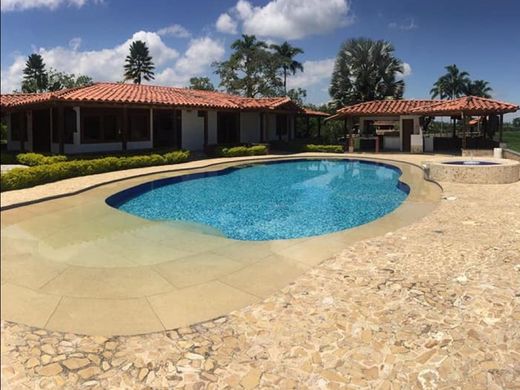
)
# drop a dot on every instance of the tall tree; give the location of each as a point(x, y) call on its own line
point(201, 83)
point(452, 84)
point(478, 88)
point(139, 63)
point(35, 78)
point(251, 70)
point(286, 54)
point(61, 80)
point(366, 70)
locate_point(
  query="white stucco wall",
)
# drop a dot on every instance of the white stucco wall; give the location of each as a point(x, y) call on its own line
point(192, 130)
point(250, 127)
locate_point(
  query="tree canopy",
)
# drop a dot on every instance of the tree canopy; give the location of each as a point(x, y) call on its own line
point(138, 64)
point(38, 79)
point(286, 53)
point(251, 70)
point(366, 70)
point(456, 83)
point(201, 83)
point(35, 77)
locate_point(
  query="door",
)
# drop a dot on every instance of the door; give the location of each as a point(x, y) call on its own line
point(41, 131)
point(407, 132)
point(228, 128)
point(165, 132)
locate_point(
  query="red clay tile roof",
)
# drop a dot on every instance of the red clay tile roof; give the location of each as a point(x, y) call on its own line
point(150, 95)
point(383, 107)
point(470, 105)
point(309, 112)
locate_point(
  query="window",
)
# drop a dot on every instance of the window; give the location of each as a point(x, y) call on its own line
point(100, 126)
point(18, 120)
point(69, 125)
point(138, 125)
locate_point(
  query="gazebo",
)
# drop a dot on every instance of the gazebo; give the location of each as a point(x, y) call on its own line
point(411, 119)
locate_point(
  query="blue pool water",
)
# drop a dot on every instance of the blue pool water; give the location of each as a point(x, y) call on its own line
point(271, 201)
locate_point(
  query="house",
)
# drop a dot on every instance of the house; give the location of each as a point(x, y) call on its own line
point(106, 117)
point(401, 125)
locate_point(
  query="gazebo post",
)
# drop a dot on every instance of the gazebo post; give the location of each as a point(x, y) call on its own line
point(463, 131)
point(501, 127)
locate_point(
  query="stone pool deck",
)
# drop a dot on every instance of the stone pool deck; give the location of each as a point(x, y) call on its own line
point(435, 304)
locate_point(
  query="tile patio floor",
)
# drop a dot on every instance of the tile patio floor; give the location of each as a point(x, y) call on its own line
point(435, 304)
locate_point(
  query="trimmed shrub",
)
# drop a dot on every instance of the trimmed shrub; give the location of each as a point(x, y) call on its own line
point(33, 159)
point(19, 178)
point(238, 151)
point(323, 148)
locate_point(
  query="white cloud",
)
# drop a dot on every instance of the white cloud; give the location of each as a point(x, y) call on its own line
point(314, 72)
point(22, 5)
point(407, 25)
point(407, 71)
point(75, 43)
point(175, 30)
point(107, 64)
point(289, 19)
point(226, 24)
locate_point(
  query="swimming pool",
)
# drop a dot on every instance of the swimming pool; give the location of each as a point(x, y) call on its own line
point(270, 201)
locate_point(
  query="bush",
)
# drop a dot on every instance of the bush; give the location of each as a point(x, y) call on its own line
point(19, 178)
point(323, 148)
point(8, 158)
point(237, 151)
point(33, 159)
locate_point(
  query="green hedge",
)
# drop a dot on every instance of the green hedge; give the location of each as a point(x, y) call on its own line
point(237, 151)
point(33, 159)
point(323, 148)
point(19, 178)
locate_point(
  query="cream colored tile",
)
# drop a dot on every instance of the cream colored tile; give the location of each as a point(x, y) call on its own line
point(266, 276)
point(199, 303)
point(313, 251)
point(20, 304)
point(104, 317)
point(29, 270)
point(197, 269)
point(108, 283)
point(245, 251)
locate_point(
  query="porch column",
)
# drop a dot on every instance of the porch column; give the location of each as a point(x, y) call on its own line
point(77, 134)
point(350, 136)
point(319, 127)
point(308, 124)
point(239, 126)
point(262, 127)
point(124, 130)
point(52, 121)
point(151, 126)
point(205, 116)
point(463, 131)
point(501, 127)
point(61, 124)
point(23, 130)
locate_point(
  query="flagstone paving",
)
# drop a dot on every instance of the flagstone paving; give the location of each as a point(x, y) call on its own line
point(435, 304)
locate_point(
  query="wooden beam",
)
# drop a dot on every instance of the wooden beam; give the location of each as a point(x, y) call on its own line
point(501, 127)
point(124, 130)
point(61, 125)
point(262, 126)
point(23, 130)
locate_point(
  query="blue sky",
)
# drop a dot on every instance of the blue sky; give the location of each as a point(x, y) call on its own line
point(185, 37)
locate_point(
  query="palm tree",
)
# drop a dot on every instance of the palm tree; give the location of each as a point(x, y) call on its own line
point(451, 85)
point(286, 54)
point(366, 70)
point(139, 63)
point(35, 76)
point(479, 88)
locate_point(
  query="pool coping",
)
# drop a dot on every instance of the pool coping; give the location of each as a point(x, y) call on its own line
point(287, 259)
point(180, 168)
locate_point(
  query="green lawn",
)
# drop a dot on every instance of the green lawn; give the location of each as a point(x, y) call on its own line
point(512, 138)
